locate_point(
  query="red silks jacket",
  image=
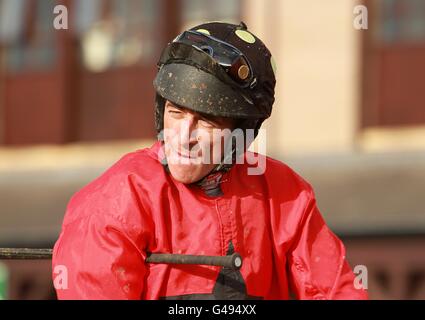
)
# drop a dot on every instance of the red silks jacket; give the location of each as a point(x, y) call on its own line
point(137, 207)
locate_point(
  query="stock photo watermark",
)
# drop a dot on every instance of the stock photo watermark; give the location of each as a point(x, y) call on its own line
point(60, 21)
point(360, 21)
point(219, 146)
point(60, 277)
point(360, 280)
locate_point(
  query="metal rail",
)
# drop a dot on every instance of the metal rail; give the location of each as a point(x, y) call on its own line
point(233, 261)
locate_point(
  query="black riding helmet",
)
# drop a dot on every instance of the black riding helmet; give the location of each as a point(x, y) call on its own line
point(217, 69)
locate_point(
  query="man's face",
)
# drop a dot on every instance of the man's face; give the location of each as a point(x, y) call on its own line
point(194, 144)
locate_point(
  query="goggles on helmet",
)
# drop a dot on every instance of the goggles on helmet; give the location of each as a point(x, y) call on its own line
point(231, 59)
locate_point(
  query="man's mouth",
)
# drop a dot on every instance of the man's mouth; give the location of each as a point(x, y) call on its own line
point(185, 155)
point(178, 154)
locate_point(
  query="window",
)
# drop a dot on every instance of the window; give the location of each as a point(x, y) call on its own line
point(402, 21)
point(117, 33)
point(394, 64)
point(195, 12)
point(28, 34)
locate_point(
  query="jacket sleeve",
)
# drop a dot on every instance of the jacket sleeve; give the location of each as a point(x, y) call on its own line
point(98, 257)
point(317, 265)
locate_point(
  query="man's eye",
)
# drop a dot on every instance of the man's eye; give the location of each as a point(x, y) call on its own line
point(174, 111)
point(206, 123)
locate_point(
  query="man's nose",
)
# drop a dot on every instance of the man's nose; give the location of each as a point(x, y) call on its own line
point(189, 131)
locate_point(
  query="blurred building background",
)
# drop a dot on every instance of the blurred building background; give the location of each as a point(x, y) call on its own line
point(349, 116)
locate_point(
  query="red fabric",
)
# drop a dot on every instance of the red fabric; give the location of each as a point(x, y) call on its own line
point(136, 207)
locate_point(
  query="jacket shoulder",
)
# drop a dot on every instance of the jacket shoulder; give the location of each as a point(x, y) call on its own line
point(280, 176)
point(114, 191)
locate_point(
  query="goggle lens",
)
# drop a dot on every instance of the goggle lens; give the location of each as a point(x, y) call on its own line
point(228, 56)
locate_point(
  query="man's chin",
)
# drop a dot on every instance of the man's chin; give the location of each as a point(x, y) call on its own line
point(187, 173)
